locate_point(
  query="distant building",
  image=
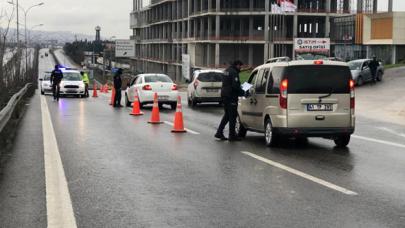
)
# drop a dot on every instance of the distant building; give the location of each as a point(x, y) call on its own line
point(214, 32)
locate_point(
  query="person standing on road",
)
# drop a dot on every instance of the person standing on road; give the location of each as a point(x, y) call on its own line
point(230, 92)
point(374, 64)
point(86, 81)
point(56, 78)
point(117, 87)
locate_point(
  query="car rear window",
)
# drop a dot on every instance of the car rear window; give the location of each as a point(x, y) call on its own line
point(210, 77)
point(311, 79)
point(157, 78)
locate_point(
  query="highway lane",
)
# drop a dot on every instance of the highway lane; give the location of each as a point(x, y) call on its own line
point(123, 172)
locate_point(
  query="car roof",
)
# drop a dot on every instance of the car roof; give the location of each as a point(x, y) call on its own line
point(151, 74)
point(209, 71)
point(301, 63)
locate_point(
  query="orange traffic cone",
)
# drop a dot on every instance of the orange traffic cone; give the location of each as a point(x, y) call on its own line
point(136, 110)
point(155, 118)
point(112, 96)
point(95, 90)
point(178, 119)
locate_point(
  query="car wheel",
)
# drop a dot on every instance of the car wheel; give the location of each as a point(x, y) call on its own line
point(141, 105)
point(240, 130)
point(270, 136)
point(160, 106)
point(342, 141)
point(42, 92)
point(127, 102)
point(360, 81)
point(379, 76)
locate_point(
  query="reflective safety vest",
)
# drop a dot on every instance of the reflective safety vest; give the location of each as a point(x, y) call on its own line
point(85, 78)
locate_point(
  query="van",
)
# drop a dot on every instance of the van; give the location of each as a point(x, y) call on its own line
point(205, 87)
point(299, 99)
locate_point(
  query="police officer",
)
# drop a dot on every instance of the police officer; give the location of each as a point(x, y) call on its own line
point(56, 78)
point(86, 81)
point(374, 64)
point(231, 90)
point(117, 86)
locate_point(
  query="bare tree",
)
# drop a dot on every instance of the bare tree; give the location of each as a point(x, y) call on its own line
point(4, 32)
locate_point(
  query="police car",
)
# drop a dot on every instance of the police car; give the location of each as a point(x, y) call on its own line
point(72, 83)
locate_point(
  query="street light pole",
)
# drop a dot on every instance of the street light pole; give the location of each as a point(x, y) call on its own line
point(25, 25)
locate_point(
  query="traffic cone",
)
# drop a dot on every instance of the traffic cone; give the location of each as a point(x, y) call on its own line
point(155, 118)
point(95, 90)
point(136, 110)
point(178, 119)
point(112, 96)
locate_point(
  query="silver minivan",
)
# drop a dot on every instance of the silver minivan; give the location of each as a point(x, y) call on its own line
point(205, 87)
point(299, 99)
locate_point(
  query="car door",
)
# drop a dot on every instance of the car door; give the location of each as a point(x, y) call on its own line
point(258, 102)
point(244, 103)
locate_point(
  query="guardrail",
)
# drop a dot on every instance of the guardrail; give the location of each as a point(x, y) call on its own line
point(7, 112)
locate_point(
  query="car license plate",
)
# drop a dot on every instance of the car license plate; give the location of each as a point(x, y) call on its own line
point(71, 91)
point(320, 107)
point(212, 90)
point(163, 98)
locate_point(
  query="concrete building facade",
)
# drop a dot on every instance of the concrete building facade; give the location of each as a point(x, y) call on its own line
point(215, 32)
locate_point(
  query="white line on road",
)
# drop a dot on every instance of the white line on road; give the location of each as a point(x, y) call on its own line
point(302, 174)
point(188, 130)
point(58, 202)
point(379, 141)
point(391, 131)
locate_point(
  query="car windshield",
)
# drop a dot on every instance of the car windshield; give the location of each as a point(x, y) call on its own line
point(71, 76)
point(47, 77)
point(318, 79)
point(157, 78)
point(210, 77)
point(355, 65)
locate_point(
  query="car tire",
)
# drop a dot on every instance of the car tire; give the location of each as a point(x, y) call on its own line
point(342, 141)
point(271, 138)
point(141, 105)
point(240, 130)
point(42, 92)
point(360, 81)
point(160, 106)
point(189, 102)
point(379, 76)
point(127, 102)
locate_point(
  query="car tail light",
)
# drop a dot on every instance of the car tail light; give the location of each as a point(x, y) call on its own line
point(318, 62)
point(283, 94)
point(174, 87)
point(196, 84)
point(352, 94)
point(147, 87)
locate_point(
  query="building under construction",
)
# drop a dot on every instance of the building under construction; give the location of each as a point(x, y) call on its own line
point(211, 33)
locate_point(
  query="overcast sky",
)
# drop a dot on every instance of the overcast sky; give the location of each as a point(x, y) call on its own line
point(81, 16)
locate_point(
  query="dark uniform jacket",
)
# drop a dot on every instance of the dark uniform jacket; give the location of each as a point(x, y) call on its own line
point(56, 77)
point(117, 82)
point(231, 88)
point(374, 65)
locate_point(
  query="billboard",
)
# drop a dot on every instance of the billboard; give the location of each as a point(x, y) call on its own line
point(124, 48)
point(312, 45)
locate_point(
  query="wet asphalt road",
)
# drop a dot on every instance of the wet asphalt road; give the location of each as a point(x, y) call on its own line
point(123, 172)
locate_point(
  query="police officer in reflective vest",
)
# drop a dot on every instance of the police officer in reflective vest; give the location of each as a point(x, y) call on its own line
point(230, 93)
point(86, 81)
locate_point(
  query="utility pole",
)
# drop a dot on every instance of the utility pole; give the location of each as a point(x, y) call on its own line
point(18, 28)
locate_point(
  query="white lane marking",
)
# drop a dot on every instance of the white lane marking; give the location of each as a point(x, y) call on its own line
point(379, 141)
point(391, 131)
point(188, 130)
point(302, 174)
point(58, 202)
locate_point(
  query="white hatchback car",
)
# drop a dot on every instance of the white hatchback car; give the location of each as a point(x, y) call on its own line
point(45, 83)
point(149, 84)
point(72, 83)
point(205, 87)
